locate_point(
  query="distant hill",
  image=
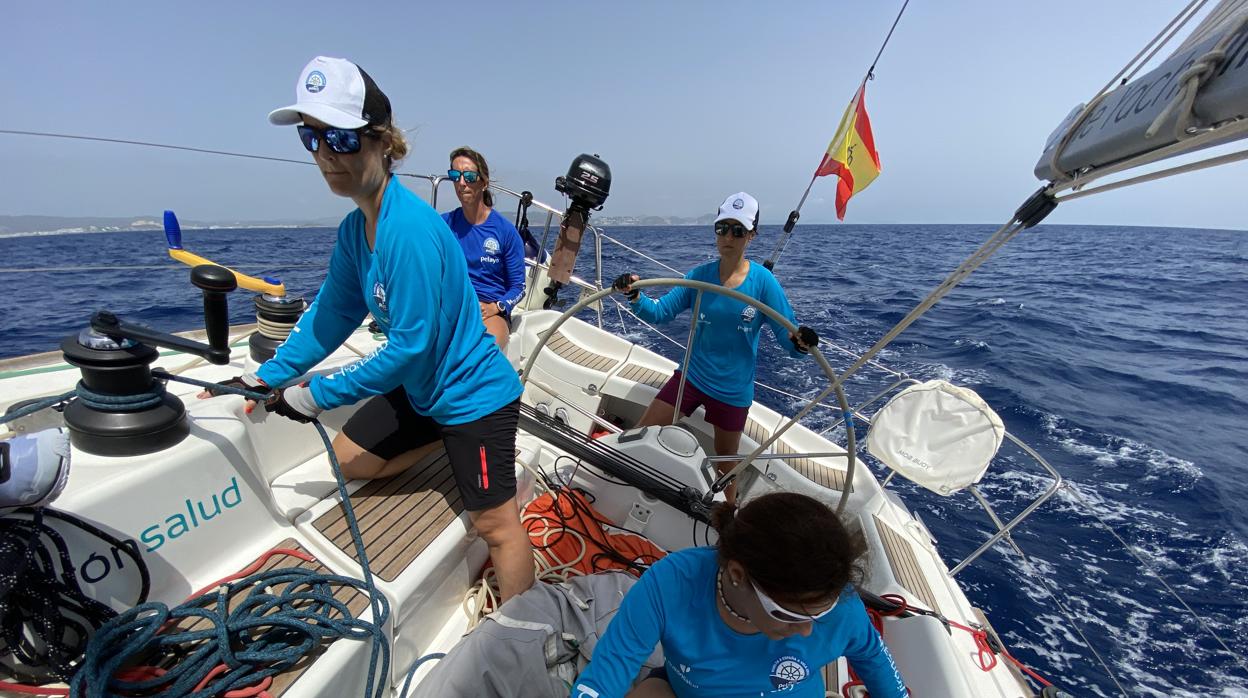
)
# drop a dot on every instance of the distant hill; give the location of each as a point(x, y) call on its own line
point(94, 224)
point(706, 219)
point(18, 225)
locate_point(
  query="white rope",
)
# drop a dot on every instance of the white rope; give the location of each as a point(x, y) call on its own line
point(1212, 23)
point(1133, 66)
point(199, 360)
point(1161, 174)
point(1223, 132)
point(1192, 80)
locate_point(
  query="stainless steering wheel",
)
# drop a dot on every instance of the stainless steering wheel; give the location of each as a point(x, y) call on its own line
point(701, 287)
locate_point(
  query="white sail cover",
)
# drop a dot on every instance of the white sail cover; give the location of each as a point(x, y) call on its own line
point(936, 435)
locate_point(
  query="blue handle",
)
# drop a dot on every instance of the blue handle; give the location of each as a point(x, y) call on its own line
point(173, 232)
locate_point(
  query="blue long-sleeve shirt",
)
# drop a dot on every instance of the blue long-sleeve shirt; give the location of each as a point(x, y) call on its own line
point(726, 344)
point(674, 603)
point(415, 283)
point(495, 256)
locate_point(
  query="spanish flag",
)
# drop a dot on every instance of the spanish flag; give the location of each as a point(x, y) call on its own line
point(851, 155)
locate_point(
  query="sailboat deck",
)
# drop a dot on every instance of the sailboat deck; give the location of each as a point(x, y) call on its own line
point(398, 516)
point(355, 601)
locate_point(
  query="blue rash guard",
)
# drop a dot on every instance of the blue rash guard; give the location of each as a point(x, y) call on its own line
point(726, 344)
point(674, 603)
point(495, 256)
point(415, 284)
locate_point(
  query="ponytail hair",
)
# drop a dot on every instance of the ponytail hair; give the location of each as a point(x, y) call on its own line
point(395, 144)
point(482, 167)
point(793, 546)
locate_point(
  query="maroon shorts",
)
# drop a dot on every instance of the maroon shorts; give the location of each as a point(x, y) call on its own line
point(718, 413)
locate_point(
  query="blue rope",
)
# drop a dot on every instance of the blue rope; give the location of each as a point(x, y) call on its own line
point(412, 672)
point(37, 406)
point(264, 635)
point(217, 387)
point(109, 402)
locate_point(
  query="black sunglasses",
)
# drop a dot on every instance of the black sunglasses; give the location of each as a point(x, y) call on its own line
point(340, 140)
point(735, 227)
point(468, 175)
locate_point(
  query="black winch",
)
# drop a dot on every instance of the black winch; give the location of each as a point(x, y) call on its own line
point(275, 318)
point(121, 410)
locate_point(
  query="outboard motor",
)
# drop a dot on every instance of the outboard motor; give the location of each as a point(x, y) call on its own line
point(121, 409)
point(587, 184)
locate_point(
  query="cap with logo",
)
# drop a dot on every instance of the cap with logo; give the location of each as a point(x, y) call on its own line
point(739, 207)
point(337, 92)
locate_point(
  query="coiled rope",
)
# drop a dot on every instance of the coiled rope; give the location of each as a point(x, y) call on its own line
point(256, 632)
point(45, 617)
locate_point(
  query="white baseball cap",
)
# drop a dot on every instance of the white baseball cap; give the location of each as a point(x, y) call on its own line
point(740, 207)
point(338, 92)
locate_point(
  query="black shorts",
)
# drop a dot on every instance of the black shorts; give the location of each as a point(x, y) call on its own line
point(482, 452)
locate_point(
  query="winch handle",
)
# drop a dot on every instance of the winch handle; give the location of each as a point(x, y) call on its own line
point(173, 235)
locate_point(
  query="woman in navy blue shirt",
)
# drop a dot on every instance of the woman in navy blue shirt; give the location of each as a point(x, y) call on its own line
point(492, 247)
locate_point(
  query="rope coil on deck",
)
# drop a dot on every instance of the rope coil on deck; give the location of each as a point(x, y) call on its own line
point(256, 632)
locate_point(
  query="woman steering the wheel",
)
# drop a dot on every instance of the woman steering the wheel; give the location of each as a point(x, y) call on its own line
point(725, 343)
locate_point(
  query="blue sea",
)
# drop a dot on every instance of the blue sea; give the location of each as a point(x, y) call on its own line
point(1120, 354)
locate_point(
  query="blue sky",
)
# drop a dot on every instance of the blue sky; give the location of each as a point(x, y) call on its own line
point(686, 101)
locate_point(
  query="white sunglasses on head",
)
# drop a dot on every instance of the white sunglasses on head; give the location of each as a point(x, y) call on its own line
point(784, 615)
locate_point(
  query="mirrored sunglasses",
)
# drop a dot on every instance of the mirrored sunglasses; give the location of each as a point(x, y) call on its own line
point(784, 615)
point(735, 227)
point(340, 140)
point(468, 175)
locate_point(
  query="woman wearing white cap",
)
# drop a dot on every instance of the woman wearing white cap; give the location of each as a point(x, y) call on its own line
point(725, 345)
point(439, 377)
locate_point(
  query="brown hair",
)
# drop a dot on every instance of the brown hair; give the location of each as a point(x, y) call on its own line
point(394, 141)
point(482, 167)
point(793, 546)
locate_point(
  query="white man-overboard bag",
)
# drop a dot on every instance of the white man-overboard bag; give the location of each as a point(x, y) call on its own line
point(936, 435)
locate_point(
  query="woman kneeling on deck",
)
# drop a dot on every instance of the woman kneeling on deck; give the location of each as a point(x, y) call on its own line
point(439, 378)
point(725, 344)
point(761, 613)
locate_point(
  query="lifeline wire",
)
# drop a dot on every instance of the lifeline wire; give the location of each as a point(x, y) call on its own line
point(1155, 573)
point(148, 144)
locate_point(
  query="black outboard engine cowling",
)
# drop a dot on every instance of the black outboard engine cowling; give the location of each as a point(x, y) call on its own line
point(587, 185)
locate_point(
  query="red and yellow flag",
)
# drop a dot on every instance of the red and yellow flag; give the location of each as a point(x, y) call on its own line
point(851, 155)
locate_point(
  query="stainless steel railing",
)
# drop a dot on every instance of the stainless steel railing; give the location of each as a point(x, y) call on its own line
point(898, 379)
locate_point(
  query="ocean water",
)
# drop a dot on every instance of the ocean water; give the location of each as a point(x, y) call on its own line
point(1120, 354)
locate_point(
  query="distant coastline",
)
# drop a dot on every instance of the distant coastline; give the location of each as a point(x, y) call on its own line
point(34, 226)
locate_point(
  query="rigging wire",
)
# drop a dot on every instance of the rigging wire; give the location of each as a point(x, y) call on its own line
point(1066, 612)
point(1154, 572)
point(187, 148)
point(871, 70)
point(783, 242)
